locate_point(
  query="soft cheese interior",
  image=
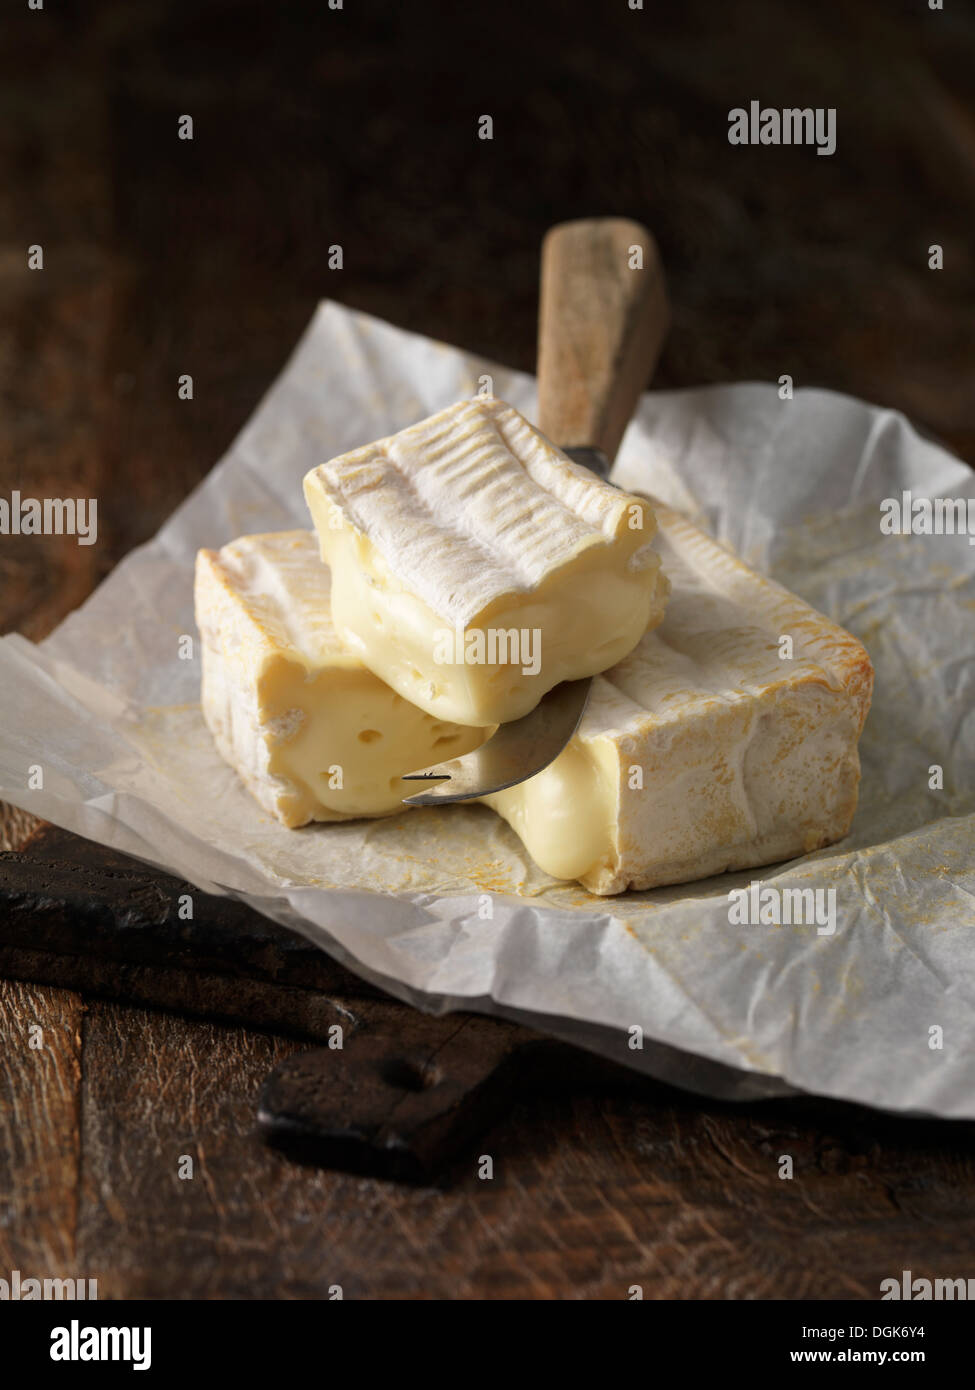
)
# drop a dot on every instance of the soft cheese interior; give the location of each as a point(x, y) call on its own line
point(313, 733)
point(712, 746)
point(474, 566)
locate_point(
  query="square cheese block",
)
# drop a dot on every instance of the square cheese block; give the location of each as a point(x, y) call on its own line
point(313, 734)
point(474, 566)
point(726, 740)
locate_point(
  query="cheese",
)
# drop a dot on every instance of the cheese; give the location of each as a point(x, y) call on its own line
point(474, 566)
point(313, 734)
point(710, 747)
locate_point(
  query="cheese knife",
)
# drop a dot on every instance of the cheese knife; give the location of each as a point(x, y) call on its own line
point(603, 316)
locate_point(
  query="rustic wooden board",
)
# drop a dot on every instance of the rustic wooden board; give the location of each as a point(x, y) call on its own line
point(76, 914)
point(591, 1192)
point(403, 1095)
point(92, 918)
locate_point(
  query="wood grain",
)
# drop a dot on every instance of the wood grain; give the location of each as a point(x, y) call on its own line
point(590, 1193)
point(40, 1040)
point(603, 316)
point(16, 826)
point(157, 1089)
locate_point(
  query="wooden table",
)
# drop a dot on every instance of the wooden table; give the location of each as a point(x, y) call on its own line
point(163, 257)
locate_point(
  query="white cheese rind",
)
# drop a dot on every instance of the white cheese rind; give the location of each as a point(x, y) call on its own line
point(286, 701)
point(705, 749)
point(472, 522)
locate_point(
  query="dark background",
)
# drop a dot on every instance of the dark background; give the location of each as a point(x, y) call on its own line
point(358, 127)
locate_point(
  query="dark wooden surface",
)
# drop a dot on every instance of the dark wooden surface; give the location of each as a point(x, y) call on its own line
point(163, 257)
point(392, 1093)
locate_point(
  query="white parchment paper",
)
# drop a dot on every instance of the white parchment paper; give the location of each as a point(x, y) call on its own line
point(109, 711)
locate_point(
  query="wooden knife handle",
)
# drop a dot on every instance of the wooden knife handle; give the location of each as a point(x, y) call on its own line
point(602, 319)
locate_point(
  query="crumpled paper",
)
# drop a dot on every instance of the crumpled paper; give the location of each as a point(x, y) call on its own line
point(109, 709)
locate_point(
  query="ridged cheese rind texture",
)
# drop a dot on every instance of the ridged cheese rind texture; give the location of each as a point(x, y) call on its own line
point(275, 592)
point(469, 520)
point(474, 504)
point(746, 757)
point(285, 699)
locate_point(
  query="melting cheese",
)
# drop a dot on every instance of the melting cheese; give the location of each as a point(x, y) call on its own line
point(706, 749)
point(312, 732)
point(471, 534)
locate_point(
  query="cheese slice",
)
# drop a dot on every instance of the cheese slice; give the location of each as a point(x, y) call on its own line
point(313, 734)
point(474, 566)
point(714, 745)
